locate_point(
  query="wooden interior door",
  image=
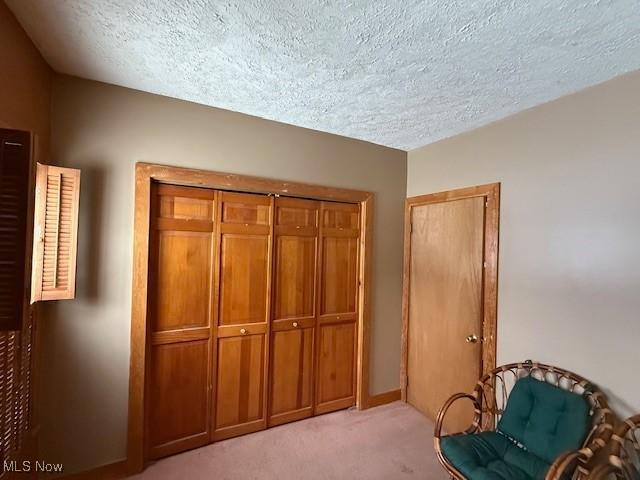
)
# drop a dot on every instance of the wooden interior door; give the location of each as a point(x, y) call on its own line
point(242, 331)
point(180, 284)
point(445, 306)
point(294, 309)
point(338, 306)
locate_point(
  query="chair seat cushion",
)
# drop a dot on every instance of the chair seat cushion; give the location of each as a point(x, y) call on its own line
point(491, 456)
point(546, 419)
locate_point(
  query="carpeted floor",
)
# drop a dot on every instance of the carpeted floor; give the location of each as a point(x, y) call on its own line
point(383, 443)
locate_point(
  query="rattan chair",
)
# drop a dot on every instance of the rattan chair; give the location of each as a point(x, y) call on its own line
point(624, 454)
point(489, 400)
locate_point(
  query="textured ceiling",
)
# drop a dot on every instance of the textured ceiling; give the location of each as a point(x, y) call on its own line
point(399, 73)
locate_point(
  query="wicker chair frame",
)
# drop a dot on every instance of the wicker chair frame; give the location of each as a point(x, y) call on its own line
point(624, 453)
point(489, 399)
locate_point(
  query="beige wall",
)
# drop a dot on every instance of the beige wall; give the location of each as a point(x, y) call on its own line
point(25, 82)
point(104, 130)
point(569, 289)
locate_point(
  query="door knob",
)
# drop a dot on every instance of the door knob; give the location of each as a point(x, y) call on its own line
point(472, 339)
point(295, 324)
point(243, 331)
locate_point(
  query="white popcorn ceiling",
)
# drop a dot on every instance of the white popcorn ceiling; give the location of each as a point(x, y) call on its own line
point(398, 73)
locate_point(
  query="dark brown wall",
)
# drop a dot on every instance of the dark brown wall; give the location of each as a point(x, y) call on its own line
point(25, 104)
point(25, 83)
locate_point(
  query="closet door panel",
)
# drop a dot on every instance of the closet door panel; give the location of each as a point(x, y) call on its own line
point(240, 383)
point(195, 205)
point(294, 277)
point(340, 275)
point(340, 216)
point(294, 310)
point(178, 390)
point(291, 375)
point(178, 401)
point(245, 209)
point(338, 305)
point(184, 258)
point(336, 348)
point(244, 278)
point(242, 331)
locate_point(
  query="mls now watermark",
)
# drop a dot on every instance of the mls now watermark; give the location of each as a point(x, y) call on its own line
point(32, 466)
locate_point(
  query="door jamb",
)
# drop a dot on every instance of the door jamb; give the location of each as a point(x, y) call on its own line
point(145, 173)
point(491, 193)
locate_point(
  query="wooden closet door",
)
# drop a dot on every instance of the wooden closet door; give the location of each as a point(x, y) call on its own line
point(294, 310)
point(338, 306)
point(244, 265)
point(178, 395)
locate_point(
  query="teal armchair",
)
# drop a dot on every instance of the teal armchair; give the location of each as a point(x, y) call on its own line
point(531, 422)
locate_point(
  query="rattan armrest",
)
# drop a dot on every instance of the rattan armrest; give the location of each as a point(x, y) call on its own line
point(561, 467)
point(580, 458)
point(437, 433)
point(603, 472)
point(584, 458)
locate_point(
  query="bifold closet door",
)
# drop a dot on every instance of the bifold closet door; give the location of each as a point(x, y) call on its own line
point(178, 395)
point(338, 306)
point(294, 309)
point(242, 331)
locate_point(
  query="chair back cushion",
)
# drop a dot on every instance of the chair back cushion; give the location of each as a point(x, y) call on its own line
point(545, 419)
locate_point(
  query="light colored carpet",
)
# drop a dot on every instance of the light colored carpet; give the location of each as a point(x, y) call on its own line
point(388, 442)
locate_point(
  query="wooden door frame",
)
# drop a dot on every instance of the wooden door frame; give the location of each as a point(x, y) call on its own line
point(145, 174)
point(491, 193)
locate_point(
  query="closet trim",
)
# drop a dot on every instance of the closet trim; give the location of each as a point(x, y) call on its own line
point(145, 173)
